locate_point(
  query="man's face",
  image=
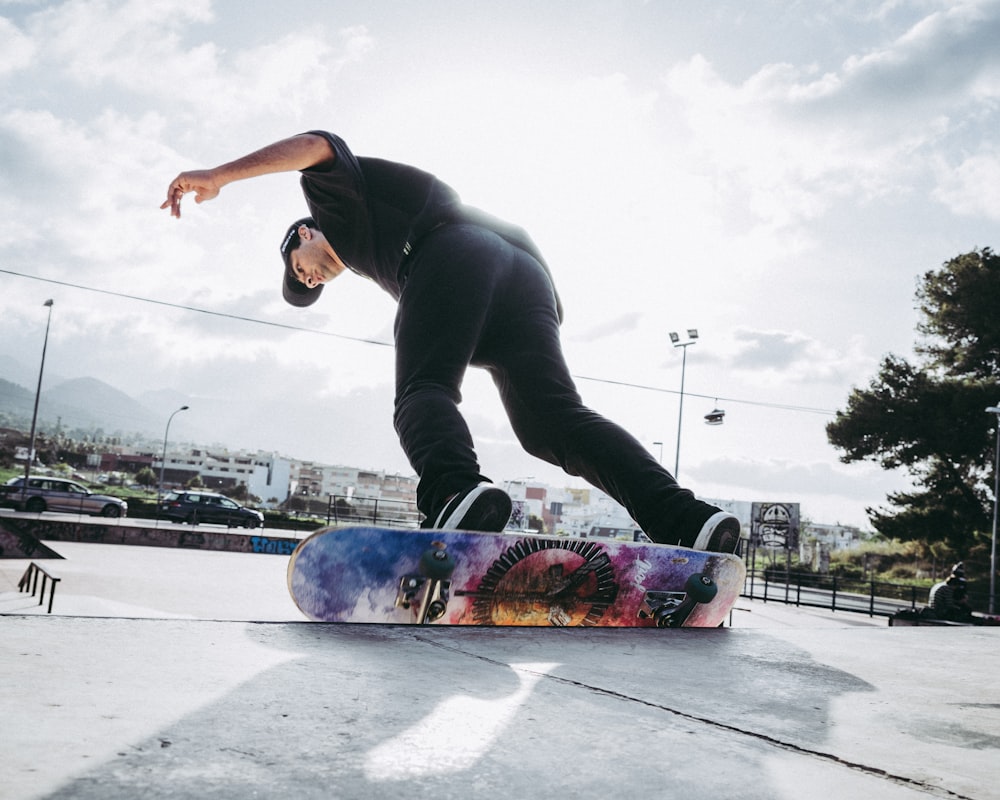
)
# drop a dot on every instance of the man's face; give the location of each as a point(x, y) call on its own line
point(314, 261)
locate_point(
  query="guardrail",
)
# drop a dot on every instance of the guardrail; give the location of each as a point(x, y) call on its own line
point(371, 510)
point(875, 598)
point(30, 580)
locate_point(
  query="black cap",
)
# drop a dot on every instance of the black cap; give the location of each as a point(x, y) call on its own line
point(292, 289)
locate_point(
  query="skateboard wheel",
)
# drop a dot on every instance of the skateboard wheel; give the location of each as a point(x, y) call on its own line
point(437, 564)
point(701, 588)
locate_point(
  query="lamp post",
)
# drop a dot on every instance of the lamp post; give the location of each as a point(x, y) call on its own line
point(163, 461)
point(996, 490)
point(675, 340)
point(34, 415)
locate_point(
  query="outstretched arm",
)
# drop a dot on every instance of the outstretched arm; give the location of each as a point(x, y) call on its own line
point(289, 155)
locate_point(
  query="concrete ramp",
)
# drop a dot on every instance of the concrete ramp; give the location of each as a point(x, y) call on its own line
point(178, 708)
point(16, 542)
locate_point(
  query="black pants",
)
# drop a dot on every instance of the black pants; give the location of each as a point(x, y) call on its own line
point(471, 298)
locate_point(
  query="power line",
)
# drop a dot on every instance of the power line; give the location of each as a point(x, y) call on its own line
point(719, 398)
point(380, 343)
point(199, 310)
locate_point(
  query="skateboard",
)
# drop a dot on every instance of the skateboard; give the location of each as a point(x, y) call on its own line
point(406, 576)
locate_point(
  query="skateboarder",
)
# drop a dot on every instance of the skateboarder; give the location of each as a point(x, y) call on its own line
point(471, 290)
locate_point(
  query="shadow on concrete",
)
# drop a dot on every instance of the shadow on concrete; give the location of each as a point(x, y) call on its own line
point(379, 711)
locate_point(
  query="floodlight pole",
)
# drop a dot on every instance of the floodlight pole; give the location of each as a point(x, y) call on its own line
point(996, 491)
point(675, 340)
point(34, 415)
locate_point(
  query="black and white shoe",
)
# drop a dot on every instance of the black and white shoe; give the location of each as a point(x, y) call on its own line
point(483, 507)
point(720, 534)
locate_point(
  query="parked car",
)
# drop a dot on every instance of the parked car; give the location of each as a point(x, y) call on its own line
point(45, 493)
point(197, 507)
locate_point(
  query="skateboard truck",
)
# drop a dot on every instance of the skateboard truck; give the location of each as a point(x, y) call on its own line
point(671, 609)
point(427, 592)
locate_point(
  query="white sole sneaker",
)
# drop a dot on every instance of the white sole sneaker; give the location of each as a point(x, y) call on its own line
point(719, 534)
point(482, 508)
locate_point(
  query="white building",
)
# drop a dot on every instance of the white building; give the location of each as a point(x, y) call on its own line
point(836, 537)
point(266, 475)
point(325, 480)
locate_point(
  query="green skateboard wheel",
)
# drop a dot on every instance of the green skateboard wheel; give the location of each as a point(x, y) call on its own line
point(436, 563)
point(701, 588)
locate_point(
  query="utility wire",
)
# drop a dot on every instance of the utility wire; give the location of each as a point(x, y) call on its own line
point(380, 343)
point(199, 310)
point(718, 398)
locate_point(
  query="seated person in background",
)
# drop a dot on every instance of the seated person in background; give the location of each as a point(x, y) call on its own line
point(949, 598)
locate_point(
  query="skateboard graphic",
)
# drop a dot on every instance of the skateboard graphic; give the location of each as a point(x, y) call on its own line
point(386, 575)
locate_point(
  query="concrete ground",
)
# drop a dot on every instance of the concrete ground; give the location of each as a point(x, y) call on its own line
point(176, 673)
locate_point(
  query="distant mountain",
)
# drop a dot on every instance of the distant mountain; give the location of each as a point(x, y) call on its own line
point(14, 399)
point(81, 403)
point(88, 402)
point(14, 371)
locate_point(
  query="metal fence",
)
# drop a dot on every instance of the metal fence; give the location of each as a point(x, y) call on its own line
point(354, 510)
point(835, 593)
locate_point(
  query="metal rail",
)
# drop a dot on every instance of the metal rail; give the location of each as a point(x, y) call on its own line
point(29, 581)
point(831, 592)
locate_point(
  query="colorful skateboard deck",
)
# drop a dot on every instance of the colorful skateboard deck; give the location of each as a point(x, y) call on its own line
point(385, 575)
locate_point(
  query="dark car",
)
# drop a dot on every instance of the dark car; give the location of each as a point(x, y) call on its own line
point(59, 494)
point(198, 507)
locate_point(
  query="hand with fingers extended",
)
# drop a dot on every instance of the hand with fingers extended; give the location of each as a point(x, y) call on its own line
point(202, 182)
point(294, 154)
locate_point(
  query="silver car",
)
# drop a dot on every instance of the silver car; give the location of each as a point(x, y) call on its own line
point(60, 494)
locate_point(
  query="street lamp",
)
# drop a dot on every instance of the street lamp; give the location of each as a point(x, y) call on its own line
point(996, 490)
point(660, 445)
point(163, 461)
point(34, 415)
point(675, 340)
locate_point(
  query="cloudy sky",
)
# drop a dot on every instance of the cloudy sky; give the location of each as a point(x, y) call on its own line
point(776, 174)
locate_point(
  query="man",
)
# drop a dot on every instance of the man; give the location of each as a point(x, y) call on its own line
point(471, 290)
point(949, 598)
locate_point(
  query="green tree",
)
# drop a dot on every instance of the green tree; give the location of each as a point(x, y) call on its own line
point(146, 477)
point(929, 417)
point(237, 492)
point(241, 494)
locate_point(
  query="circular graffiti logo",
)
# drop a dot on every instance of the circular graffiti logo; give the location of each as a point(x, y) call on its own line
point(548, 582)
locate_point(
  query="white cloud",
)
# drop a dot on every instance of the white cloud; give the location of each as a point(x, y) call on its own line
point(16, 49)
point(143, 48)
point(104, 40)
point(973, 187)
point(949, 56)
point(774, 201)
point(792, 142)
point(611, 327)
point(797, 357)
point(828, 492)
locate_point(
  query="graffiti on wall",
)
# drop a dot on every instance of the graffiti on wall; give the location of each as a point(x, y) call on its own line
point(775, 525)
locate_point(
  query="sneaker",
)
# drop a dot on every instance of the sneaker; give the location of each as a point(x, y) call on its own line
point(719, 534)
point(484, 507)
